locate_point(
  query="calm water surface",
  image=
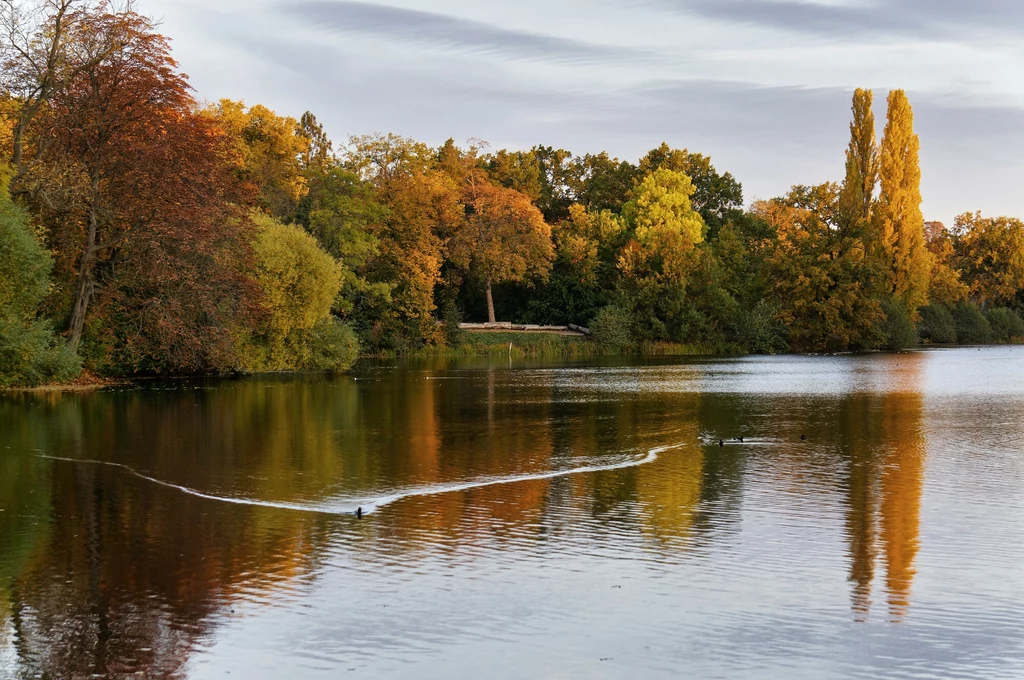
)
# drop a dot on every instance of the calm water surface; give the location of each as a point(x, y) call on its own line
point(525, 520)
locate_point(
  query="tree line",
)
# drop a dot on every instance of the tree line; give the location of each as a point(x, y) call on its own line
point(143, 232)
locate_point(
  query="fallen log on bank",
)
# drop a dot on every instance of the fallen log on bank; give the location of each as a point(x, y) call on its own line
point(571, 329)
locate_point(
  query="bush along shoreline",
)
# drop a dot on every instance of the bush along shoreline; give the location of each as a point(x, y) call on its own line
point(226, 238)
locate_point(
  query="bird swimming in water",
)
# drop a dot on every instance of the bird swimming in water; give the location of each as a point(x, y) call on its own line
point(740, 439)
point(359, 513)
point(721, 443)
point(803, 437)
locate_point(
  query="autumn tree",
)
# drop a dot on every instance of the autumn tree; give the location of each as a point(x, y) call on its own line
point(583, 273)
point(858, 190)
point(899, 223)
point(506, 238)
point(660, 256)
point(105, 121)
point(664, 225)
point(422, 213)
point(45, 46)
point(139, 209)
point(819, 279)
point(947, 286)
point(270, 152)
point(989, 254)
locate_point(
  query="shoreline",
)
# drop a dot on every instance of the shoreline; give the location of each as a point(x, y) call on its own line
point(552, 347)
point(87, 382)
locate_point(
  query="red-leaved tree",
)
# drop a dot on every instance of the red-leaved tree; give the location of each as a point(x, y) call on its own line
point(151, 236)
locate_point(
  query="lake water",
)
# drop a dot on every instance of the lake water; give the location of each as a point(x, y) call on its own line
point(524, 520)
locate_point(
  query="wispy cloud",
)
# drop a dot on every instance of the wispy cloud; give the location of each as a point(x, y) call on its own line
point(445, 32)
point(763, 86)
point(925, 19)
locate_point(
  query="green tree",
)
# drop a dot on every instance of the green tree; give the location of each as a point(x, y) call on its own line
point(342, 212)
point(555, 182)
point(717, 197)
point(899, 231)
point(937, 324)
point(898, 330)
point(584, 269)
point(1006, 324)
point(30, 353)
point(761, 331)
point(611, 328)
point(599, 182)
point(317, 154)
point(660, 258)
point(972, 328)
point(519, 170)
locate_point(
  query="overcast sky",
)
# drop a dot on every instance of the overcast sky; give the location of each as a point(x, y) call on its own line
point(762, 86)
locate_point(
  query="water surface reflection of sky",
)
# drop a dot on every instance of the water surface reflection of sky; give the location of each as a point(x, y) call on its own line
point(887, 544)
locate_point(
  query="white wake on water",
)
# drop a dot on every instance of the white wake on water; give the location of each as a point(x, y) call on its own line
point(370, 505)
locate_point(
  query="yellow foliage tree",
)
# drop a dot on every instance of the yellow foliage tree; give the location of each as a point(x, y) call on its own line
point(665, 226)
point(423, 214)
point(861, 164)
point(585, 241)
point(899, 232)
point(947, 286)
point(267, 153)
point(819, 279)
point(990, 254)
point(507, 239)
point(300, 283)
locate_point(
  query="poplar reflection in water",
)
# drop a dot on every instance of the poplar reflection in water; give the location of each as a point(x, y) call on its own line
point(564, 520)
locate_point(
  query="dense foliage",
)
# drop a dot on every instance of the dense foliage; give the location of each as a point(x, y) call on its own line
point(149, 235)
point(30, 353)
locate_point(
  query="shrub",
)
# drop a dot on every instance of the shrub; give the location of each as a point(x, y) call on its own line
point(332, 346)
point(937, 324)
point(451, 319)
point(30, 352)
point(897, 328)
point(611, 327)
point(1005, 323)
point(971, 326)
point(30, 355)
point(761, 332)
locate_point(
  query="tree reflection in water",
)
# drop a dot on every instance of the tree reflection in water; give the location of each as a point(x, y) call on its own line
point(102, 573)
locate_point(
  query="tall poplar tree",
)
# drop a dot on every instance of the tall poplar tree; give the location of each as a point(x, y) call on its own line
point(899, 221)
point(861, 164)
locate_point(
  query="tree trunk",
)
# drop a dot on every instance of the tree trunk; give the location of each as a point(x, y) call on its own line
point(86, 280)
point(86, 285)
point(490, 304)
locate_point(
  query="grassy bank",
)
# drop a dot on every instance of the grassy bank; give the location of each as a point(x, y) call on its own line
point(529, 345)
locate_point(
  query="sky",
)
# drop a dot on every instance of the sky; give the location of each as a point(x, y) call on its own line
point(763, 87)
